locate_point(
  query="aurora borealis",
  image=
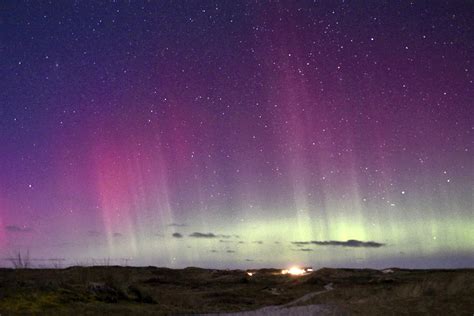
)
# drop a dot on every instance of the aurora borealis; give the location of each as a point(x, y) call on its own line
point(238, 133)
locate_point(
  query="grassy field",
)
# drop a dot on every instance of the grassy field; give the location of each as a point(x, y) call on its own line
point(107, 290)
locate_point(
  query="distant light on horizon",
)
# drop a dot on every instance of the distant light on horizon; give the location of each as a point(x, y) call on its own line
point(294, 271)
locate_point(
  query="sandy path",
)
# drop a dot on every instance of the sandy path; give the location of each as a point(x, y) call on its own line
point(307, 297)
point(290, 309)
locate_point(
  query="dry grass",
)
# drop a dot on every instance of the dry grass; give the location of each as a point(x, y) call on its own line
point(155, 291)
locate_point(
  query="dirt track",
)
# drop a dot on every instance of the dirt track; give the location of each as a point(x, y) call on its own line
point(290, 308)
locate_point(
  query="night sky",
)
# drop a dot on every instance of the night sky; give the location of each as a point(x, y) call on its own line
point(238, 133)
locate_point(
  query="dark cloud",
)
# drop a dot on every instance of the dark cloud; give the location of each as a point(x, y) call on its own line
point(176, 225)
point(18, 229)
point(211, 235)
point(213, 250)
point(203, 235)
point(301, 243)
point(305, 249)
point(349, 243)
point(258, 242)
point(177, 235)
point(248, 260)
point(241, 242)
point(230, 251)
point(118, 235)
point(226, 241)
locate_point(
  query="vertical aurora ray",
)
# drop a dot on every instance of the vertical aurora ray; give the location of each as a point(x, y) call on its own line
point(116, 198)
point(132, 188)
point(3, 211)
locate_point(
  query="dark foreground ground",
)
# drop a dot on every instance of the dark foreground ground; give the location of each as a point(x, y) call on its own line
point(154, 291)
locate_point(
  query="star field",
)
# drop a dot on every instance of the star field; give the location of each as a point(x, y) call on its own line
point(238, 133)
